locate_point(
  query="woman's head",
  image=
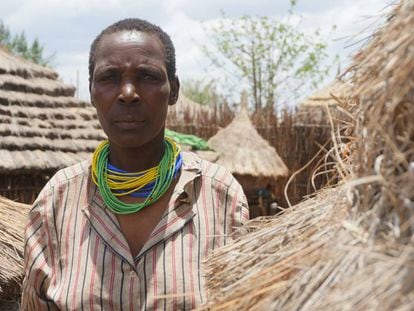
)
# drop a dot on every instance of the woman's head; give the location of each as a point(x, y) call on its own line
point(136, 24)
point(132, 83)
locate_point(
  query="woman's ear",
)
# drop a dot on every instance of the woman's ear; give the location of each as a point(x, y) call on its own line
point(175, 90)
point(92, 101)
point(90, 94)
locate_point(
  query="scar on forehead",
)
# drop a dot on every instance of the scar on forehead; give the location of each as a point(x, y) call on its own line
point(133, 36)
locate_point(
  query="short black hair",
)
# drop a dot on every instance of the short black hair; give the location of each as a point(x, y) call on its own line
point(137, 25)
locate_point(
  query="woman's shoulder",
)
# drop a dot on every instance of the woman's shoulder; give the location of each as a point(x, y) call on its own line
point(65, 177)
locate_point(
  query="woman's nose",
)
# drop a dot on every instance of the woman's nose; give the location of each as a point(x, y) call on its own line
point(128, 93)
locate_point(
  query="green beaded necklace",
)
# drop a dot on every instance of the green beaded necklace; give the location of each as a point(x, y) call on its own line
point(165, 170)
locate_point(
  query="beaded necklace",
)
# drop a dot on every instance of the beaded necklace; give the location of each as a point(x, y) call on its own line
point(150, 184)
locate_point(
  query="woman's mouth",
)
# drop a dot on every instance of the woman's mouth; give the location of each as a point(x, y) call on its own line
point(129, 124)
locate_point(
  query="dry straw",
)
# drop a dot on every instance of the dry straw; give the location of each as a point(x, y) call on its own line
point(350, 247)
point(12, 221)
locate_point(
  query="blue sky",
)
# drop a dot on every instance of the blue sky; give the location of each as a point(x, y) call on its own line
point(67, 27)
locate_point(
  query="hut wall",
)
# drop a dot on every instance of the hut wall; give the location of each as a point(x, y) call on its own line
point(23, 187)
point(252, 187)
point(297, 145)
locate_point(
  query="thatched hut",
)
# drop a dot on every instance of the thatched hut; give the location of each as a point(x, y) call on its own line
point(12, 222)
point(251, 159)
point(42, 127)
point(190, 117)
point(350, 247)
point(313, 110)
point(186, 108)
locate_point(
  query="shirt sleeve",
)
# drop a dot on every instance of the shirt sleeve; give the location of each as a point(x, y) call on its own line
point(240, 209)
point(36, 263)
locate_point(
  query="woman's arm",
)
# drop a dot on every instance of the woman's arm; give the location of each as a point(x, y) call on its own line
point(36, 262)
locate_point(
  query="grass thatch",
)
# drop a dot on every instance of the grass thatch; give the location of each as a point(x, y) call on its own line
point(316, 256)
point(384, 106)
point(15, 65)
point(42, 126)
point(186, 108)
point(313, 110)
point(35, 85)
point(350, 247)
point(12, 222)
point(243, 151)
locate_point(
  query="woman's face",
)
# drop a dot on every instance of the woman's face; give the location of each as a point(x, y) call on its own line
point(130, 88)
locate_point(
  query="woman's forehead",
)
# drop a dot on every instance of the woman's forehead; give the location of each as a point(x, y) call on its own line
point(132, 36)
point(130, 39)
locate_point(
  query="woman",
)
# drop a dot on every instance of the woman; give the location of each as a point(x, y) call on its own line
point(131, 227)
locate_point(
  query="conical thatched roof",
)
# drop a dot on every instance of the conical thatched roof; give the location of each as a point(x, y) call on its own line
point(12, 220)
point(42, 126)
point(244, 152)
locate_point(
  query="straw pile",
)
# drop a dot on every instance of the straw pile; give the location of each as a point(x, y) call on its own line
point(12, 221)
point(349, 247)
point(384, 101)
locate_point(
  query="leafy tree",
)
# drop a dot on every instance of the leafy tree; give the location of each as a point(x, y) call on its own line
point(274, 56)
point(5, 37)
point(19, 45)
point(36, 54)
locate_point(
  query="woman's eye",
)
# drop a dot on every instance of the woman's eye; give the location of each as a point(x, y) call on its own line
point(105, 77)
point(149, 76)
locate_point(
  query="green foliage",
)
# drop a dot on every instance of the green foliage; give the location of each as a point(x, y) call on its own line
point(274, 56)
point(18, 45)
point(202, 92)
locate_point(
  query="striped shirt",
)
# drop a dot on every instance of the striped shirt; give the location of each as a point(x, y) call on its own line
point(76, 257)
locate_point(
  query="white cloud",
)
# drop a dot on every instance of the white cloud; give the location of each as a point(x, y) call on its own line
point(68, 27)
point(354, 20)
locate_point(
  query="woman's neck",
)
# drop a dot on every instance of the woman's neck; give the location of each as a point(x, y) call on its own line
point(139, 158)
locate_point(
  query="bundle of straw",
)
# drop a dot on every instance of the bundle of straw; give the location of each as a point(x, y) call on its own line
point(12, 220)
point(384, 97)
point(349, 247)
point(316, 256)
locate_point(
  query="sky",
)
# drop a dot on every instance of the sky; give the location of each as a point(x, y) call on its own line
point(66, 28)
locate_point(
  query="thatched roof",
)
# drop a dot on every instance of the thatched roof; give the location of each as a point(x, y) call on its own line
point(42, 126)
point(12, 221)
point(329, 95)
point(313, 110)
point(350, 247)
point(185, 109)
point(244, 152)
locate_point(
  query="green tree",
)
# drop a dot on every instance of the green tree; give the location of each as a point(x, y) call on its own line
point(19, 45)
point(36, 53)
point(274, 56)
point(5, 37)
